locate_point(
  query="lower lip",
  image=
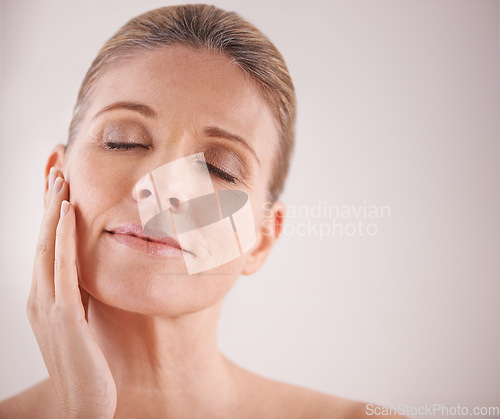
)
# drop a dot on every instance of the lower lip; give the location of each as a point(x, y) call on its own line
point(149, 247)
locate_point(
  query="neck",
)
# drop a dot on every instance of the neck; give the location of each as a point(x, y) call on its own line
point(172, 362)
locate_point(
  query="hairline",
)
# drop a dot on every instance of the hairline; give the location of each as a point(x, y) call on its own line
point(127, 53)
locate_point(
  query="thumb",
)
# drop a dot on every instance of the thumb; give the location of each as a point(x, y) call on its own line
point(85, 301)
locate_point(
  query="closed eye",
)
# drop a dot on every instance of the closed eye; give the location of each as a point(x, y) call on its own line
point(217, 171)
point(125, 146)
point(214, 170)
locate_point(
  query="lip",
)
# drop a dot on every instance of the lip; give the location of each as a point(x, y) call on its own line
point(133, 236)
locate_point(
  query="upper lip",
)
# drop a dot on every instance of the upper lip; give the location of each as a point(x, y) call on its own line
point(137, 231)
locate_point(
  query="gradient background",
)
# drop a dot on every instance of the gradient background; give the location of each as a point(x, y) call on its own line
point(399, 105)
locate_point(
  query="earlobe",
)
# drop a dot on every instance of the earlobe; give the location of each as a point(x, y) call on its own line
point(56, 159)
point(270, 229)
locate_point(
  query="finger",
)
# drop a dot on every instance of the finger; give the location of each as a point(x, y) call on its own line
point(53, 174)
point(85, 300)
point(43, 273)
point(67, 292)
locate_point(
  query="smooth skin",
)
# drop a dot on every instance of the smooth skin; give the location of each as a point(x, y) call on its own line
point(126, 334)
point(57, 315)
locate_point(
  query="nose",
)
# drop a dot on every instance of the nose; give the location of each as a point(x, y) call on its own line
point(174, 202)
point(144, 193)
point(169, 187)
point(147, 200)
point(160, 188)
point(177, 182)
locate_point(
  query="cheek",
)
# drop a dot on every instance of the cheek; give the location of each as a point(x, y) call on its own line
point(101, 189)
point(97, 185)
point(98, 191)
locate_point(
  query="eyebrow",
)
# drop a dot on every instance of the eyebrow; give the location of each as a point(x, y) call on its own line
point(144, 110)
point(217, 132)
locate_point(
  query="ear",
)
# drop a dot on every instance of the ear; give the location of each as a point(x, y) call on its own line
point(56, 159)
point(270, 229)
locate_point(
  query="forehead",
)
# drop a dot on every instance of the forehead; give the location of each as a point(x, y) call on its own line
point(189, 88)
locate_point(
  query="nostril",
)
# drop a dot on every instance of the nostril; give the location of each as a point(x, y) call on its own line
point(144, 193)
point(174, 202)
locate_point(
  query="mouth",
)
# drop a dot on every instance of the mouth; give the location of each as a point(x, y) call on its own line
point(154, 243)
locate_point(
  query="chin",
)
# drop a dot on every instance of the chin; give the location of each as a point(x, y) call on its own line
point(163, 288)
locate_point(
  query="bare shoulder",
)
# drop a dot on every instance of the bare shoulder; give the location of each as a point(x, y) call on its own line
point(327, 406)
point(269, 398)
point(318, 405)
point(38, 401)
point(304, 403)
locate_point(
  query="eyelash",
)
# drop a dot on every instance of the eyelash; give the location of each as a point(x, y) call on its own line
point(214, 170)
point(124, 146)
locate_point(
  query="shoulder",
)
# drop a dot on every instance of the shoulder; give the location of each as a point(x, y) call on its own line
point(38, 401)
point(327, 406)
point(320, 405)
point(269, 398)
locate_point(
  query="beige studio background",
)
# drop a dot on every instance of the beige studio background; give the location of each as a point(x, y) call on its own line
point(399, 108)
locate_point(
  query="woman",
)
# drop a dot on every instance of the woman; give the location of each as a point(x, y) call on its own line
point(125, 327)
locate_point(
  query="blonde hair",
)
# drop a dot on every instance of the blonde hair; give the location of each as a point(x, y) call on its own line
point(203, 26)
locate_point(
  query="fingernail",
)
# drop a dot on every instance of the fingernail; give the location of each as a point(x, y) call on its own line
point(64, 208)
point(52, 177)
point(57, 186)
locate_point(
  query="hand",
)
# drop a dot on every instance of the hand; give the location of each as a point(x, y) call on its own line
point(76, 365)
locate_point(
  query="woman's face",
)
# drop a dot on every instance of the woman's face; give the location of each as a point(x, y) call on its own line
point(145, 112)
